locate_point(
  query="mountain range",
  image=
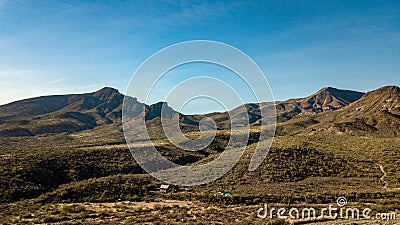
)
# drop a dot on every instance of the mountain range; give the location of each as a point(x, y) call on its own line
point(329, 110)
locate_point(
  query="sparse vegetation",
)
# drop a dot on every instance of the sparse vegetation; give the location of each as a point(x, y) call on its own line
point(87, 175)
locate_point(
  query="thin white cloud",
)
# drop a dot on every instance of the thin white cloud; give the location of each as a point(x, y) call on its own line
point(18, 73)
point(54, 81)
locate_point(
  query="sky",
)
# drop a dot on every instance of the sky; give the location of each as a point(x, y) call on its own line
point(62, 47)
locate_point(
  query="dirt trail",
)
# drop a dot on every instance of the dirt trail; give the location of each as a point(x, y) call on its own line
point(386, 184)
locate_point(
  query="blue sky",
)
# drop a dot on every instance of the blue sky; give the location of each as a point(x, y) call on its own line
point(59, 47)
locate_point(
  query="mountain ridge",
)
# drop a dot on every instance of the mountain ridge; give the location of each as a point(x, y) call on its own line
point(78, 112)
point(375, 113)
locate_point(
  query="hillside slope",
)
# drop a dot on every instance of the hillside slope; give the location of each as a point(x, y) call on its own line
point(75, 113)
point(326, 99)
point(376, 113)
point(64, 113)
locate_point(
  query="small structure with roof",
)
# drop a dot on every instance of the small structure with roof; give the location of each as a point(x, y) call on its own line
point(165, 188)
